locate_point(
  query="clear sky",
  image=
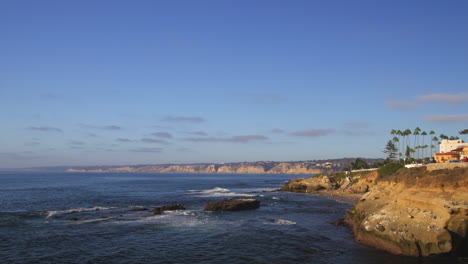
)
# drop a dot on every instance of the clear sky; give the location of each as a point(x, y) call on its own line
point(151, 82)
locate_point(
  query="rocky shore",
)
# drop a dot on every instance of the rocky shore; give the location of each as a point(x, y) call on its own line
point(413, 212)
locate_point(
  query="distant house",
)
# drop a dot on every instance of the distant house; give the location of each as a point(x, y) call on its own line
point(449, 145)
point(462, 152)
point(446, 157)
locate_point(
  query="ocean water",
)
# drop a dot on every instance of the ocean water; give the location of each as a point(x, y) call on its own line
point(90, 218)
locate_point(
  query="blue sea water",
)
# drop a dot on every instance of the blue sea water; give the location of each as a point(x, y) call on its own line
point(88, 218)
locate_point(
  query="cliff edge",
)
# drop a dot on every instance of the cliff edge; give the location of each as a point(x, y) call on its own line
point(413, 212)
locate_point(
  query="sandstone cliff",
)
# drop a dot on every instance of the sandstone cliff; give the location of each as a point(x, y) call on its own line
point(244, 168)
point(413, 212)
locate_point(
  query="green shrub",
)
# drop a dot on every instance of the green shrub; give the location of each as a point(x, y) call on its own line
point(389, 169)
point(340, 175)
point(355, 181)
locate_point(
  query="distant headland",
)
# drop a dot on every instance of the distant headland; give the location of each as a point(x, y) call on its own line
point(257, 167)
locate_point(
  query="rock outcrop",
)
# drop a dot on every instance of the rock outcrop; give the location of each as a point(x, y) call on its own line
point(233, 205)
point(161, 209)
point(337, 183)
point(414, 212)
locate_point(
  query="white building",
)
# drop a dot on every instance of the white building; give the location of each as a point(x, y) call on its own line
point(446, 145)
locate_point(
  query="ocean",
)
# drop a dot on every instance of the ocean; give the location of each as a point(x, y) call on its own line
point(52, 217)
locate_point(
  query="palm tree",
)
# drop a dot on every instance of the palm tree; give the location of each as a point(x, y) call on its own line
point(423, 134)
point(415, 133)
point(396, 140)
point(435, 139)
point(399, 134)
point(431, 133)
point(408, 143)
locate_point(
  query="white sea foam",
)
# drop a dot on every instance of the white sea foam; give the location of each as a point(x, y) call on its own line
point(219, 192)
point(282, 222)
point(77, 210)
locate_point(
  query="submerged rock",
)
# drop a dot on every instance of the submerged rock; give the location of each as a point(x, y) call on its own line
point(161, 209)
point(233, 205)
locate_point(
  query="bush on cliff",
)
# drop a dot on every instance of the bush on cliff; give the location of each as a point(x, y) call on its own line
point(389, 169)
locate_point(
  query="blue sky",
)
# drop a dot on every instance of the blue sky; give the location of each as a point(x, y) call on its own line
point(151, 82)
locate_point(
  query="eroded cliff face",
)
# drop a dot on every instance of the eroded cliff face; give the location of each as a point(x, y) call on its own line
point(244, 168)
point(414, 212)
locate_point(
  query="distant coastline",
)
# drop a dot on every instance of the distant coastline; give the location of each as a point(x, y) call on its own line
point(258, 167)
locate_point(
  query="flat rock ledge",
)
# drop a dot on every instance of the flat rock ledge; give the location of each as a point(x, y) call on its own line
point(233, 205)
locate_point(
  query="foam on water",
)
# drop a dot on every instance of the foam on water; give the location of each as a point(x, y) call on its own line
point(282, 222)
point(76, 210)
point(219, 192)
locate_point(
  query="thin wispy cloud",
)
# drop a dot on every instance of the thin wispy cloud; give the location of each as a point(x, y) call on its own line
point(125, 140)
point(162, 135)
point(184, 119)
point(277, 131)
point(108, 127)
point(16, 156)
point(234, 139)
point(77, 143)
point(314, 132)
point(147, 150)
point(45, 129)
point(461, 118)
point(197, 133)
point(445, 98)
point(400, 105)
point(153, 141)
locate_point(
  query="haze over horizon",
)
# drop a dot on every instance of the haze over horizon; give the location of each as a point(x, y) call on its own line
point(153, 82)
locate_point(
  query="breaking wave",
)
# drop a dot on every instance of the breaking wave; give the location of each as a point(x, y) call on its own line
point(219, 192)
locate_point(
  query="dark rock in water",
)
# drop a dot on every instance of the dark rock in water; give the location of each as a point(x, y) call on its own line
point(159, 210)
point(74, 219)
point(233, 205)
point(339, 222)
point(138, 209)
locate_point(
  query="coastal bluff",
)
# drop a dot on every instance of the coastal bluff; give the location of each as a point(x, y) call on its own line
point(414, 212)
point(234, 168)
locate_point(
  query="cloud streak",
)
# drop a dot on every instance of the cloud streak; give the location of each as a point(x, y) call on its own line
point(108, 127)
point(153, 141)
point(162, 135)
point(277, 131)
point(147, 150)
point(184, 119)
point(445, 98)
point(125, 140)
point(234, 139)
point(461, 118)
point(45, 129)
point(314, 132)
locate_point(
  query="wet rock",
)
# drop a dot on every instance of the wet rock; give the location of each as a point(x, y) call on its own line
point(339, 222)
point(138, 209)
point(161, 209)
point(233, 205)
